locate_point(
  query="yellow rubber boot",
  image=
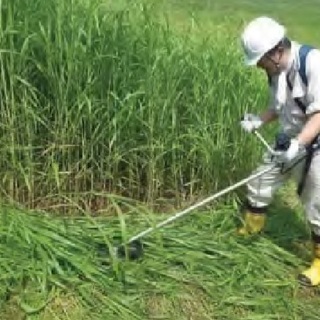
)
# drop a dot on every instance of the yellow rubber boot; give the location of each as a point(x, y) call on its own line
point(311, 276)
point(253, 223)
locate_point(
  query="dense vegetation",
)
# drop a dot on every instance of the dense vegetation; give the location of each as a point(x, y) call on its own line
point(121, 109)
point(102, 101)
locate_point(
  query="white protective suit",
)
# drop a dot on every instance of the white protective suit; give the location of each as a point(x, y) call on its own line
point(292, 119)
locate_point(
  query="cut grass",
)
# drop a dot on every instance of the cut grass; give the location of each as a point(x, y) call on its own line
point(195, 269)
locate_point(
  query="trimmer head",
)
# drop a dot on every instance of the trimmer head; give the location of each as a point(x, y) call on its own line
point(132, 250)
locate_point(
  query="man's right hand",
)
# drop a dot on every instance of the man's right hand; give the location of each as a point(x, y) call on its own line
point(251, 122)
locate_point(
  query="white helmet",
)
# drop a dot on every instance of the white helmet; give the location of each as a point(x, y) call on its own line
point(261, 35)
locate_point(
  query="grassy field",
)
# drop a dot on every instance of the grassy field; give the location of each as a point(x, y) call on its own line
point(133, 110)
point(300, 17)
point(88, 116)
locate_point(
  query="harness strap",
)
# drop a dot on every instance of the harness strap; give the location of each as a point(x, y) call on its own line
point(315, 145)
point(303, 53)
point(300, 104)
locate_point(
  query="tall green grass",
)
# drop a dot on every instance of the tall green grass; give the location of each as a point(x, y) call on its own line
point(101, 100)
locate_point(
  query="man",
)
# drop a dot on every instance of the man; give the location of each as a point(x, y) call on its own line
point(295, 103)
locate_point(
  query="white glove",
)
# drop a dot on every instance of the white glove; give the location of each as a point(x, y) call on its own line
point(251, 122)
point(295, 149)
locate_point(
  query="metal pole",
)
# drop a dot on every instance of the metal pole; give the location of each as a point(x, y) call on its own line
point(260, 137)
point(199, 204)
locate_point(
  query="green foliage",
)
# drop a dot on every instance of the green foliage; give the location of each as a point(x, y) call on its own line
point(96, 99)
point(60, 269)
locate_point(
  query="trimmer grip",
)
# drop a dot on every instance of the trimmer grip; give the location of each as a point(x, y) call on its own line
point(282, 142)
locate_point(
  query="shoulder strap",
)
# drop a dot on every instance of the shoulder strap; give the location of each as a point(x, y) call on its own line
point(303, 53)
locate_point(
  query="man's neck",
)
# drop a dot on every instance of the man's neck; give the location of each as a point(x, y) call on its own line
point(288, 59)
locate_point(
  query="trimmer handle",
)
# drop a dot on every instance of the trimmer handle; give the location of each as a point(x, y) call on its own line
point(282, 142)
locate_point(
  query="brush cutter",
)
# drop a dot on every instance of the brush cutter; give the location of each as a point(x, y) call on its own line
point(133, 248)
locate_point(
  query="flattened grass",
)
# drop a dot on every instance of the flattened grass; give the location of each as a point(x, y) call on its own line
point(196, 269)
